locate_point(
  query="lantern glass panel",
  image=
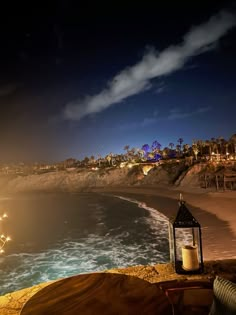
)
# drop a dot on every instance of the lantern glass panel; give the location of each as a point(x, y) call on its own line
point(188, 247)
point(171, 243)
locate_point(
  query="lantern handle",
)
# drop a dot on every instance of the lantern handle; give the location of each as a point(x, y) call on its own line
point(181, 199)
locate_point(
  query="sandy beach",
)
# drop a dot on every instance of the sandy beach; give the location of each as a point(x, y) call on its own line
point(215, 211)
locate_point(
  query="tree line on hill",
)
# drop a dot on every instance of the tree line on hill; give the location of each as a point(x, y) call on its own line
point(215, 148)
point(207, 150)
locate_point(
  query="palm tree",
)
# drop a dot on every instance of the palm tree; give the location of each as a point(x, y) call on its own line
point(108, 158)
point(180, 140)
point(186, 148)
point(126, 148)
point(220, 145)
point(165, 152)
point(132, 153)
point(232, 140)
point(141, 153)
point(213, 147)
point(112, 158)
point(171, 145)
point(156, 146)
point(200, 145)
point(208, 144)
point(99, 159)
point(227, 150)
point(178, 149)
point(85, 160)
point(92, 159)
point(146, 149)
point(195, 150)
point(223, 143)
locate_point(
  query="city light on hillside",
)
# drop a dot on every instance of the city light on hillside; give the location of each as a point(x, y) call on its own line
point(3, 216)
point(3, 238)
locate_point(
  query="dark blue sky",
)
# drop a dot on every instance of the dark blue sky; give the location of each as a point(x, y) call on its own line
point(78, 81)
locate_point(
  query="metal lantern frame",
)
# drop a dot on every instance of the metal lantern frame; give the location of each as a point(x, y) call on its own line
point(185, 221)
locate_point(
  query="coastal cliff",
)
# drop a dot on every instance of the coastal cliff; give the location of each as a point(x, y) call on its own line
point(84, 179)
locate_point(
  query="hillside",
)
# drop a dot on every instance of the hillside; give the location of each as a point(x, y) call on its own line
point(84, 179)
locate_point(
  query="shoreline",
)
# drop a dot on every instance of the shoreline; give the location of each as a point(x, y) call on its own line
point(215, 211)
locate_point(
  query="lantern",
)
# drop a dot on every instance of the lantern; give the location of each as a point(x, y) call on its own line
point(185, 242)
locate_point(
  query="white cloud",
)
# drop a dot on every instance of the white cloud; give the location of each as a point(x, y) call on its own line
point(203, 109)
point(136, 79)
point(148, 121)
point(176, 113)
point(160, 88)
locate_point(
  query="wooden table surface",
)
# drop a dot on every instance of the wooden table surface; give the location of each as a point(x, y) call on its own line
point(98, 293)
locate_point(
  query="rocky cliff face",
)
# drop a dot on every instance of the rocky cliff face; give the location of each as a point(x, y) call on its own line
point(84, 179)
point(191, 176)
point(63, 180)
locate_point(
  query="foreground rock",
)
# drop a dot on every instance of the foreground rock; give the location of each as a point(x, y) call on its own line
point(12, 303)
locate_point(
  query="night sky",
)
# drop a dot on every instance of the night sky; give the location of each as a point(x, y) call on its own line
point(79, 80)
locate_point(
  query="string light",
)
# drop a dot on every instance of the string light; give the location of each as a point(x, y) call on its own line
point(3, 238)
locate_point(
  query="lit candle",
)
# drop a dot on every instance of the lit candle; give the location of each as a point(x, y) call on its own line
point(190, 257)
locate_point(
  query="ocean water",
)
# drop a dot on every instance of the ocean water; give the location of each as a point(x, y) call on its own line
point(59, 235)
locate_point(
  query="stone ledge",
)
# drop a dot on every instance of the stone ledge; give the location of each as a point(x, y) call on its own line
point(12, 303)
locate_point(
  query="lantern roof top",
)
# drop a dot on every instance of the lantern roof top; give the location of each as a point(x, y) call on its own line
point(184, 217)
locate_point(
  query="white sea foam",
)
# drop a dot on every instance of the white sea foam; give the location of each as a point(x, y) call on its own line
point(155, 213)
point(94, 253)
point(141, 242)
point(184, 236)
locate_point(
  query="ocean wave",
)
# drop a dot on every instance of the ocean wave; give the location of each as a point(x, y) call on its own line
point(156, 218)
point(110, 238)
point(94, 253)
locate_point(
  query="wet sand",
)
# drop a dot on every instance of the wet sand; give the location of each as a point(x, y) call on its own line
point(215, 211)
